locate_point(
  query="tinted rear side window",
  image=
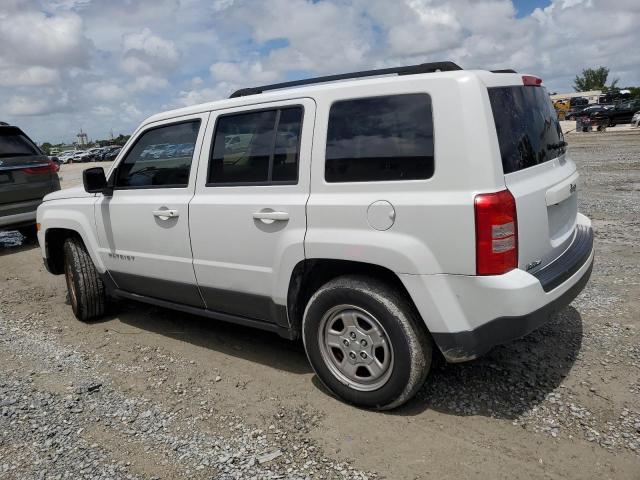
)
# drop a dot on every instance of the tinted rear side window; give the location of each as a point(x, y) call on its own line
point(13, 143)
point(380, 138)
point(527, 125)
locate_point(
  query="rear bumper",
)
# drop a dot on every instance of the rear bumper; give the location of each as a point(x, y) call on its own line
point(462, 346)
point(468, 315)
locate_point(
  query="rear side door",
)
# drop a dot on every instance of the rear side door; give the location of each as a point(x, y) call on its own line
point(247, 219)
point(143, 228)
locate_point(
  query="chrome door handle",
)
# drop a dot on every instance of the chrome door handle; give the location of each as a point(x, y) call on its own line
point(270, 215)
point(165, 214)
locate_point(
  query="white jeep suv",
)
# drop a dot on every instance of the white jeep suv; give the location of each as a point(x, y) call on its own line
point(381, 216)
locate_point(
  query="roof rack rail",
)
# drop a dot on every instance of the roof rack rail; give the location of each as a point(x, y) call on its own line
point(408, 70)
point(506, 70)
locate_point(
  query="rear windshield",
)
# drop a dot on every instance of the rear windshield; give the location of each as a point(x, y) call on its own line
point(13, 143)
point(528, 129)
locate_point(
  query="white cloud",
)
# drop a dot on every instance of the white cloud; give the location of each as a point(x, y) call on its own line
point(66, 64)
point(104, 91)
point(33, 38)
point(28, 76)
point(148, 83)
point(47, 103)
point(144, 53)
point(242, 72)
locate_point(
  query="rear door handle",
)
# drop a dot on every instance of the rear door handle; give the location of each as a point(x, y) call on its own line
point(165, 214)
point(271, 215)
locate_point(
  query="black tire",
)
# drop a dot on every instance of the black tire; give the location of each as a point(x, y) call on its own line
point(86, 290)
point(410, 342)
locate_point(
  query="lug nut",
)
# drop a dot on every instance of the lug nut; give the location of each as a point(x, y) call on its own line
point(345, 343)
point(363, 343)
point(363, 354)
point(352, 355)
point(353, 335)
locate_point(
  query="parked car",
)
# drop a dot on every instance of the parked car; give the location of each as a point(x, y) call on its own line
point(26, 176)
point(105, 151)
point(76, 157)
point(622, 113)
point(578, 102)
point(90, 155)
point(65, 157)
point(378, 252)
point(582, 110)
point(635, 120)
point(111, 154)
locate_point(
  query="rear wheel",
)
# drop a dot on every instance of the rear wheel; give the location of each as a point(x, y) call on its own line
point(86, 290)
point(365, 342)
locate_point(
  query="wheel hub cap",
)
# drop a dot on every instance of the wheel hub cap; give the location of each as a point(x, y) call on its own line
point(355, 347)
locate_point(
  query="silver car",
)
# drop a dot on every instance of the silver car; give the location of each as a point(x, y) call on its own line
point(635, 120)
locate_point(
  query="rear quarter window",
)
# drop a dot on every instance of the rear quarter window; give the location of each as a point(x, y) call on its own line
point(527, 126)
point(380, 139)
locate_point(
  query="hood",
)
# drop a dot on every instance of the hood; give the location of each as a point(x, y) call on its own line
point(73, 192)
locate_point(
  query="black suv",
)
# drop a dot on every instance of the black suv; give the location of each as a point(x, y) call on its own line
point(26, 176)
point(621, 113)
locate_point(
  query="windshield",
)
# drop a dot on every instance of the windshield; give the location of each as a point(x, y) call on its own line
point(13, 143)
point(527, 125)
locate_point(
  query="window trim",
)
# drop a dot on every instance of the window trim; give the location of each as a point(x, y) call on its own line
point(114, 173)
point(278, 109)
point(359, 182)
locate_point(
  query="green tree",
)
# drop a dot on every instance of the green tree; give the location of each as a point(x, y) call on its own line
point(593, 79)
point(46, 147)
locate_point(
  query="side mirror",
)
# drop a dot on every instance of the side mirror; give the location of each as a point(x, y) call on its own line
point(94, 181)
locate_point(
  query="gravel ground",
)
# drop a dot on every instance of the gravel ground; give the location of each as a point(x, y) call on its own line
point(150, 393)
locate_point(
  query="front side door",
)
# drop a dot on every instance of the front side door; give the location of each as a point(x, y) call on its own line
point(143, 228)
point(247, 219)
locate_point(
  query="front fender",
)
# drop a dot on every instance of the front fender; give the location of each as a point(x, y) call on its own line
point(76, 215)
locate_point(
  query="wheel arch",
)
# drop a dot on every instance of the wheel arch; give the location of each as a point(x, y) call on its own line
point(310, 274)
point(54, 246)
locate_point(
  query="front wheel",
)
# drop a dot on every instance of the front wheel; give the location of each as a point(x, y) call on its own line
point(365, 342)
point(86, 289)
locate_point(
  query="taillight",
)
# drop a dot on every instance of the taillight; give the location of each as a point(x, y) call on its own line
point(496, 233)
point(531, 81)
point(50, 167)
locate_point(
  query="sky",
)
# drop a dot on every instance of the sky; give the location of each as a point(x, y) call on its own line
point(106, 65)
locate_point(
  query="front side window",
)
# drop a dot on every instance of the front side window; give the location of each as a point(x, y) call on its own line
point(160, 158)
point(380, 139)
point(260, 147)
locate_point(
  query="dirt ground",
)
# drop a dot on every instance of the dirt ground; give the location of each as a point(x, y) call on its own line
point(151, 393)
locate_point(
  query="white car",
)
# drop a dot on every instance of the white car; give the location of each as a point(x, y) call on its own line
point(379, 217)
point(64, 157)
point(635, 120)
